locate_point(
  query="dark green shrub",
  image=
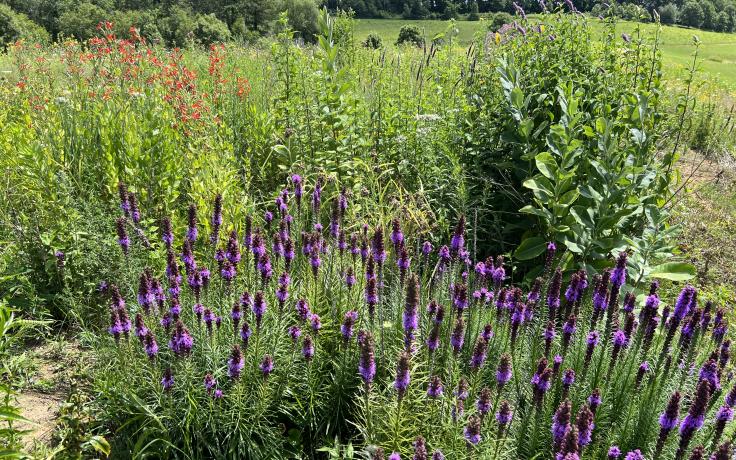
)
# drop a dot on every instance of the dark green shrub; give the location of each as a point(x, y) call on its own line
point(668, 14)
point(633, 12)
point(499, 19)
point(410, 35)
point(373, 41)
point(343, 29)
point(724, 22)
point(303, 18)
point(709, 15)
point(16, 26)
point(584, 158)
point(143, 20)
point(692, 14)
point(80, 20)
point(450, 12)
point(182, 27)
point(473, 14)
point(209, 29)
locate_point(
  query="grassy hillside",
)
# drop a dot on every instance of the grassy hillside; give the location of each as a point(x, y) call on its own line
point(717, 50)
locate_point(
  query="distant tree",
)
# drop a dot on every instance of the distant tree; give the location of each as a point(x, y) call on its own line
point(303, 16)
point(723, 22)
point(410, 35)
point(43, 12)
point(178, 26)
point(668, 14)
point(473, 14)
point(143, 20)
point(450, 12)
point(691, 14)
point(80, 20)
point(209, 29)
point(731, 11)
point(498, 20)
point(709, 14)
point(415, 9)
point(17, 26)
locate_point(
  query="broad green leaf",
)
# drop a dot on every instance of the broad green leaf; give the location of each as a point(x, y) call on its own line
point(530, 248)
point(546, 165)
point(517, 98)
point(100, 444)
point(543, 213)
point(539, 183)
point(673, 271)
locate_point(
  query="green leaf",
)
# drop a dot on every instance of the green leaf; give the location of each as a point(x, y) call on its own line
point(9, 413)
point(543, 213)
point(100, 444)
point(539, 184)
point(530, 248)
point(517, 98)
point(546, 165)
point(673, 271)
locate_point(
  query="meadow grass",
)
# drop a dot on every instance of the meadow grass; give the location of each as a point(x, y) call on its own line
point(717, 50)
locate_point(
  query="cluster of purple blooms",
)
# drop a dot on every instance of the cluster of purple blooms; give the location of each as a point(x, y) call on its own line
point(475, 327)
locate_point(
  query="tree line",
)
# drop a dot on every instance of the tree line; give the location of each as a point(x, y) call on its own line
point(178, 22)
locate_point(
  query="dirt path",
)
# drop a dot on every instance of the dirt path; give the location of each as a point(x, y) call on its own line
point(46, 391)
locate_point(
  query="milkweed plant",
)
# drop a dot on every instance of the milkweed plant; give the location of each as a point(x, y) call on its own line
point(268, 338)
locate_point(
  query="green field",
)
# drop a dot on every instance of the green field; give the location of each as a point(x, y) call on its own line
point(717, 50)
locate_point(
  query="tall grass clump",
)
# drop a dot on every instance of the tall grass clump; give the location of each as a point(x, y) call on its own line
point(311, 320)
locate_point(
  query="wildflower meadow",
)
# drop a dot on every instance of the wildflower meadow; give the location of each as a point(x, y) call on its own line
point(293, 248)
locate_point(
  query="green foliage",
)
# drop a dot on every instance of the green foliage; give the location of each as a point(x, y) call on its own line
point(473, 14)
point(692, 14)
point(499, 19)
point(373, 41)
point(303, 16)
point(410, 35)
point(586, 159)
point(80, 20)
point(182, 27)
point(669, 14)
point(16, 26)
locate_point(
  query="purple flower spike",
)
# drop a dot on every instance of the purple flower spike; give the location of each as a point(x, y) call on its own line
point(472, 431)
point(123, 239)
point(294, 332)
point(235, 363)
point(503, 373)
point(618, 276)
point(266, 365)
point(457, 244)
point(150, 345)
point(192, 232)
point(435, 388)
point(367, 362)
point(561, 422)
point(216, 221)
point(614, 453)
point(401, 384)
point(483, 404)
point(585, 426)
point(504, 414)
point(167, 382)
point(308, 348)
point(346, 329)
